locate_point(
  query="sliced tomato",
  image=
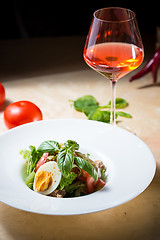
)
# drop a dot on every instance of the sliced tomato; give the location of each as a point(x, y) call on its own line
point(84, 174)
point(99, 183)
point(90, 184)
point(89, 181)
point(41, 161)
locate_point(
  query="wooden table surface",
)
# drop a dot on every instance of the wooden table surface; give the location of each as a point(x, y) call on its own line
point(49, 72)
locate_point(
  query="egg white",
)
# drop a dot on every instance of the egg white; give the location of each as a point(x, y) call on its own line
point(52, 168)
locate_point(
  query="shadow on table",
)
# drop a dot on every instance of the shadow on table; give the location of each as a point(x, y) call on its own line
point(5, 104)
point(150, 85)
point(136, 220)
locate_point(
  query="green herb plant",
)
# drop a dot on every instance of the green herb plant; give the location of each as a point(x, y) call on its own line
point(91, 108)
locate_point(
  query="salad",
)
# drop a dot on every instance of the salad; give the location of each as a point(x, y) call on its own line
point(60, 170)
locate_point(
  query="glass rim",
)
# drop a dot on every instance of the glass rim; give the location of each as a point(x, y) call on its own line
point(116, 21)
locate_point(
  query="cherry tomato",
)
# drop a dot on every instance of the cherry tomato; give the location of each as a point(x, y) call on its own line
point(2, 94)
point(21, 112)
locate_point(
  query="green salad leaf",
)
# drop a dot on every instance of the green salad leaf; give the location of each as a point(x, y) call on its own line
point(49, 146)
point(25, 154)
point(30, 179)
point(66, 181)
point(65, 160)
point(35, 155)
point(75, 186)
point(71, 144)
point(86, 166)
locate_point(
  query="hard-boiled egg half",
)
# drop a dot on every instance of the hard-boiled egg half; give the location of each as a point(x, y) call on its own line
point(47, 178)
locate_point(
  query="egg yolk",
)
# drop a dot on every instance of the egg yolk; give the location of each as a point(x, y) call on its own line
point(43, 181)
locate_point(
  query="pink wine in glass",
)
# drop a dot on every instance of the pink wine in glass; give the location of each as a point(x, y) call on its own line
point(113, 59)
point(114, 46)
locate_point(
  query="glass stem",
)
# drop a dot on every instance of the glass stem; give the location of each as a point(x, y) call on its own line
point(113, 103)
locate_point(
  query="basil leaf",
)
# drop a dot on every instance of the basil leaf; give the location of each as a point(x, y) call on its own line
point(87, 166)
point(71, 144)
point(102, 116)
point(120, 103)
point(65, 160)
point(82, 103)
point(123, 114)
point(88, 109)
point(49, 146)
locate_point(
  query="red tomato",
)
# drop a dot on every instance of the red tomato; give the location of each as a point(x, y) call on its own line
point(99, 183)
point(89, 181)
point(2, 94)
point(21, 112)
point(84, 174)
point(90, 184)
point(41, 161)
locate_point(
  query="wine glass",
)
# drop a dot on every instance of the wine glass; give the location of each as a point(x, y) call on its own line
point(114, 46)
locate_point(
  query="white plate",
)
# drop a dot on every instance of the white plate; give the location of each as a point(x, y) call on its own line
point(130, 165)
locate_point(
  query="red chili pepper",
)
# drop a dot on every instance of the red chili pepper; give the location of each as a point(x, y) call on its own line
point(152, 66)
